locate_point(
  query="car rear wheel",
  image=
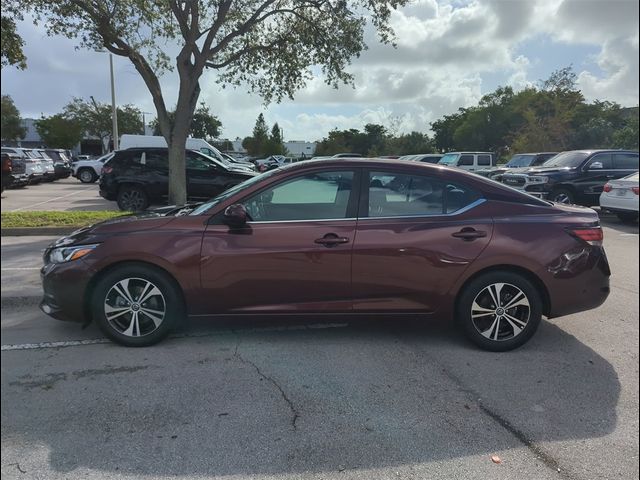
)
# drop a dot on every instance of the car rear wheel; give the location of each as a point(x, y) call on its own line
point(627, 217)
point(499, 311)
point(562, 195)
point(132, 199)
point(87, 175)
point(136, 305)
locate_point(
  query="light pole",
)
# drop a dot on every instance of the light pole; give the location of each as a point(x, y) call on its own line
point(114, 111)
point(144, 122)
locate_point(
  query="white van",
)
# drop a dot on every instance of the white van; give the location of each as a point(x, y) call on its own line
point(470, 161)
point(144, 141)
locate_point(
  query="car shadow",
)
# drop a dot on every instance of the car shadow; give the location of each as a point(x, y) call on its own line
point(611, 221)
point(247, 397)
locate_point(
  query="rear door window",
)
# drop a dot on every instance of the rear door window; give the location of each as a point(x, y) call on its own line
point(484, 160)
point(625, 161)
point(402, 195)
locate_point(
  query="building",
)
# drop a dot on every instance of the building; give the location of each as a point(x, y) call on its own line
point(299, 148)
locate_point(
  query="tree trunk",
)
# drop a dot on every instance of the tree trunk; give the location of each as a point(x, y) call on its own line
point(177, 167)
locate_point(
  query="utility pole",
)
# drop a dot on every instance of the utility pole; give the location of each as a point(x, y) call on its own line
point(144, 122)
point(114, 111)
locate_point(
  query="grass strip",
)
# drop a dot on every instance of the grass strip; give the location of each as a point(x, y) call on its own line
point(55, 219)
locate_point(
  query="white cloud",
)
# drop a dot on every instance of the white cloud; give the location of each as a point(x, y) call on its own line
point(444, 50)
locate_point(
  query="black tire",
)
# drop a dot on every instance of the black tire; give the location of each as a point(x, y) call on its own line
point(87, 175)
point(627, 217)
point(562, 195)
point(132, 198)
point(120, 327)
point(507, 338)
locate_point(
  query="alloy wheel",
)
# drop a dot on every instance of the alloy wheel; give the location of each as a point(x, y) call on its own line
point(134, 307)
point(133, 200)
point(86, 176)
point(500, 311)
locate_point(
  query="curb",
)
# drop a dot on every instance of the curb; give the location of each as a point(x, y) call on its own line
point(33, 231)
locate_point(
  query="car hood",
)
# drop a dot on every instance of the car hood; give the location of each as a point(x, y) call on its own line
point(135, 222)
point(538, 170)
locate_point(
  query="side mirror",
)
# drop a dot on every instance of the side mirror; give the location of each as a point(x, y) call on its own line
point(596, 166)
point(236, 215)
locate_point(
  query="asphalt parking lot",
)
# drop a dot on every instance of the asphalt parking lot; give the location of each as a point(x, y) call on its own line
point(293, 398)
point(66, 194)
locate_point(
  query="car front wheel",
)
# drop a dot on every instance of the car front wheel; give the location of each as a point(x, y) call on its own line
point(499, 311)
point(562, 195)
point(136, 305)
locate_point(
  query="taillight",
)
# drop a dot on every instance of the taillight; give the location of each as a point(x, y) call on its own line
point(592, 235)
point(634, 190)
point(106, 169)
point(608, 187)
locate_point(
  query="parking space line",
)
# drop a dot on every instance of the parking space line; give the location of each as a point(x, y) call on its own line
point(230, 331)
point(48, 201)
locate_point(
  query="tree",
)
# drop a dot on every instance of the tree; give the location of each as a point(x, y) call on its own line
point(11, 43)
point(12, 128)
point(627, 136)
point(256, 144)
point(203, 125)
point(274, 145)
point(59, 132)
point(95, 119)
point(269, 46)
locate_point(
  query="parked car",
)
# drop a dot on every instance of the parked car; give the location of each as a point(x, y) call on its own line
point(238, 162)
point(423, 157)
point(47, 163)
point(6, 171)
point(34, 166)
point(84, 157)
point(337, 237)
point(61, 163)
point(137, 177)
point(576, 176)
point(470, 161)
point(88, 171)
point(270, 163)
point(518, 161)
point(621, 197)
point(13, 171)
point(158, 141)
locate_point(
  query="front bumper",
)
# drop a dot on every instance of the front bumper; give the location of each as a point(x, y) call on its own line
point(65, 287)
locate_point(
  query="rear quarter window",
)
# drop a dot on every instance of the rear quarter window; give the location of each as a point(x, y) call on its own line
point(625, 161)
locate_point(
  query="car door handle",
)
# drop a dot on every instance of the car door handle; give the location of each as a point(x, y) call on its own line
point(331, 240)
point(469, 234)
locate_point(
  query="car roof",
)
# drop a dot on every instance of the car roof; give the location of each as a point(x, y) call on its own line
point(602, 150)
point(474, 151)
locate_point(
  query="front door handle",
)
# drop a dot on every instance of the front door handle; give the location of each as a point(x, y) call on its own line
point(469, 234)
point(331, 240)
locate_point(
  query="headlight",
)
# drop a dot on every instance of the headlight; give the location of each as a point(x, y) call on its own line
point(67, 254)
point(538, 179)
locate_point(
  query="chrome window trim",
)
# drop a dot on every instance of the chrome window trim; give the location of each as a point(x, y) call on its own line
point(302, 220)
point(472, 205)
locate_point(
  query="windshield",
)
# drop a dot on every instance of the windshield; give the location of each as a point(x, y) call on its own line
point(566, 159)
point(449, 158)
point(520, 161)
point(232, 191)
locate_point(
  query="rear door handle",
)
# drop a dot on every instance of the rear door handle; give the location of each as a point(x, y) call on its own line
point(331, 240)
point(469, 234)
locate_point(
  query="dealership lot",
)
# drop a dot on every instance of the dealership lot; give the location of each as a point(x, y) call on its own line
point(67, 194)
point(318, 398)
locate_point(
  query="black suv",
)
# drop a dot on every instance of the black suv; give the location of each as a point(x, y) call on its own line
point(138, 177)
point(519, 161)
point(576, 176)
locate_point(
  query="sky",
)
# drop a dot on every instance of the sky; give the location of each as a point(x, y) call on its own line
point(449, 53)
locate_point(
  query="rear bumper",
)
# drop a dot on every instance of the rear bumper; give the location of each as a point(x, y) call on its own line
point(577, 281)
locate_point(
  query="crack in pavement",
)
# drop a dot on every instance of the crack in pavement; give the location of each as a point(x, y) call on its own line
point(540, 453)
point(294, 411)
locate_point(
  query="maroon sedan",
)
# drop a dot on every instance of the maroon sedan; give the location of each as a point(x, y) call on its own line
point(337, 236)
